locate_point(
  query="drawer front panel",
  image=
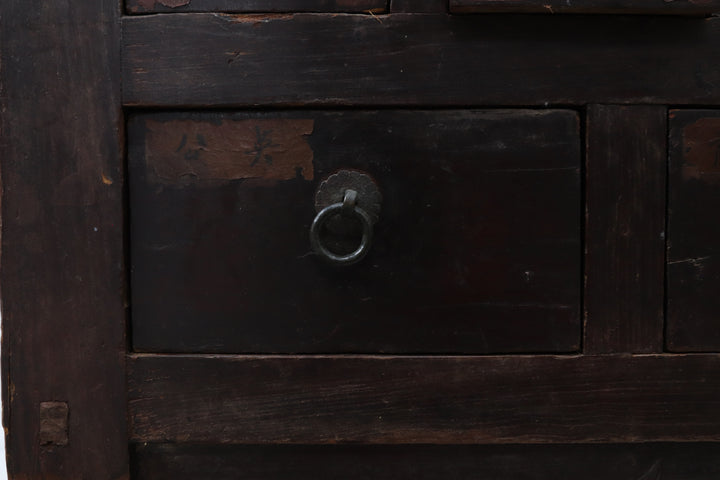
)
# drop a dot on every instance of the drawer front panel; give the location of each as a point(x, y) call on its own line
point(668, 461)
point(622, 7)
point(477, 247)
point(261, 6)
point(693, 270)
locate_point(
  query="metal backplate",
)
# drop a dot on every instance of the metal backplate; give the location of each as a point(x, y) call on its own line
point(332, 190)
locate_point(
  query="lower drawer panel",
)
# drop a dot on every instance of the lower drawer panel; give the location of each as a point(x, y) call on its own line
point(684, 461)
point(477, 247)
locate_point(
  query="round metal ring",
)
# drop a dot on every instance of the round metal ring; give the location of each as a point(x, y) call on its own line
point(340, 209)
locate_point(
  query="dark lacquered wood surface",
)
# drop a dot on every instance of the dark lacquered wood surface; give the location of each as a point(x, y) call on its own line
point(424, 400)
point(418, 6)
point(64, 251)
point(266, 6)
point(408, 59)
point(623, 7)
point(693, 265)
point(685, 461)
point(625, 228)
point(477, 248)
point(62, 269)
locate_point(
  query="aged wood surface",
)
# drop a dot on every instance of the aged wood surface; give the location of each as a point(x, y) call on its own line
point(625, 228)
point(155, 6)
point(62, 241)
point(693, 254)
point(687, 461)
point(418, 6)
point(646, 7)
point(54, 423)
point(424, 59)
point(438, 400)
point(477, 249)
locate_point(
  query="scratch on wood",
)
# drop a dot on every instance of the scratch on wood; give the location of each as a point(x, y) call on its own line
point(372, 14)
point(701, 155)
point(654, 472)
point(697, 261)
point(253, 18)
point(178, 151)
point(235, 55)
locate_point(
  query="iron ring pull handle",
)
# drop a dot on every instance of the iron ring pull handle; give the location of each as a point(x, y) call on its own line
point(348, 207)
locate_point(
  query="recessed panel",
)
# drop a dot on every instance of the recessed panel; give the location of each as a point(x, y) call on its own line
point(693, 259)
point(476, 247)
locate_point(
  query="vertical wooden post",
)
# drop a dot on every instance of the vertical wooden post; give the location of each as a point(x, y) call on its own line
point(625, 229)
point(62, 240)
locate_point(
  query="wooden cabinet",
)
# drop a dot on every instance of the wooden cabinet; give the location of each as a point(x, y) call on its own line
point(537, 300)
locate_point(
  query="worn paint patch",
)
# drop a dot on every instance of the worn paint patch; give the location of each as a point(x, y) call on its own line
point(182, 151)
point(54, 423)
point(701, 150)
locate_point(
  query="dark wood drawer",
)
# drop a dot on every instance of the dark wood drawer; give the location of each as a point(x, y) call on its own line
point(693, 254)
point(623, 7)
point(477, 249)
point(524, 309)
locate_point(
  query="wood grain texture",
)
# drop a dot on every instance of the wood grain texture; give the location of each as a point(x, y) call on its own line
point(406, 59)
point(62, 241)
point(418, 6)
point(688, 461)
point(625, 229)
point(693, 253)
point(262, 6)
point(477, 249)
point(438, 400)
point(645, 7)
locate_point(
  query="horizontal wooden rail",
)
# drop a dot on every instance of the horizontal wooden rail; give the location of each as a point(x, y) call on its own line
point(666, 461)
point(404, 59)
point(645, 7)
point(440, 400)
point(156, 6)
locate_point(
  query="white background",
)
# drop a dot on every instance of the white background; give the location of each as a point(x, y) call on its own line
point(3, 468)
